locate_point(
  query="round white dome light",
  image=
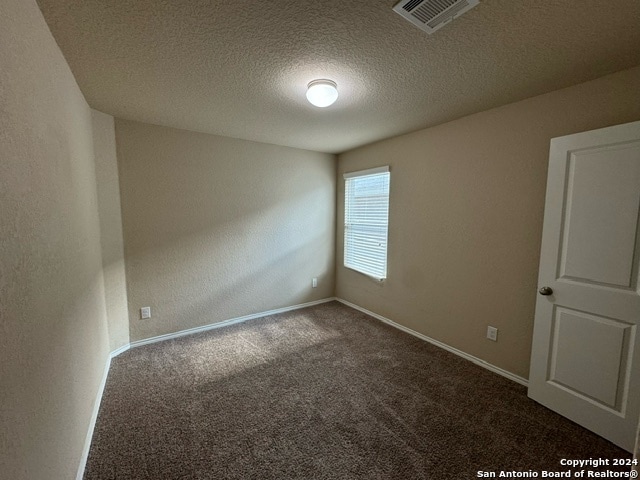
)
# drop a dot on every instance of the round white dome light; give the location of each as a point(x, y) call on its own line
point(322, 93)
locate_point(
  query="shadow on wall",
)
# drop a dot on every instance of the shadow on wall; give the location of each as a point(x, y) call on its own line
point(262, 258)
point(82, 308)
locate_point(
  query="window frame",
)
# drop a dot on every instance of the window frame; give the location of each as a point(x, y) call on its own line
point(377, 268)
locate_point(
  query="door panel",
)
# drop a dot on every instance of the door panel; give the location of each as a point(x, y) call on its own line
point(588, 356)
point(602, 197)
point(585, 361)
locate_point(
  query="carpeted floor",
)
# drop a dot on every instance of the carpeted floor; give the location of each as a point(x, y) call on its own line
point(320, 393)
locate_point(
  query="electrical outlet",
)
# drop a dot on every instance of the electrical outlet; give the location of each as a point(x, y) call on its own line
point(145, 312)
point(492, 333)
point(314, 282)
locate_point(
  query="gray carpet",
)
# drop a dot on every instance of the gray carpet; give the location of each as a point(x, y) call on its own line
point(320, 393)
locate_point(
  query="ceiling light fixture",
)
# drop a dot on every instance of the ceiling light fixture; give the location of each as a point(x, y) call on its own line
point(322, 93)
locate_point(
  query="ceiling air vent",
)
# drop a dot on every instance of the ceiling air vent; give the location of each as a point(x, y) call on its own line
point(430, 15)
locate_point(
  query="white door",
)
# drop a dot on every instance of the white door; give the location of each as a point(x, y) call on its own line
point(585, 360)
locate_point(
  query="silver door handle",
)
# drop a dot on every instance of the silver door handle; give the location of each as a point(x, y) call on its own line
point(546, 291)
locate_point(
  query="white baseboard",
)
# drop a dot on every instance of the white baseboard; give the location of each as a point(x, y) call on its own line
point(160, 338)
point(96, 409)
point(460, 353)
point(120, 350)
point(226, 323)
point(232, 321)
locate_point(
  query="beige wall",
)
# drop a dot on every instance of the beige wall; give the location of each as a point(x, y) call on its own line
point(466, 208)
point(53, 327)
point(216, 228)
point(104, 146)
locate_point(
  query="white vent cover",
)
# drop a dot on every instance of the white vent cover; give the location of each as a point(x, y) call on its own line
point(430, 15)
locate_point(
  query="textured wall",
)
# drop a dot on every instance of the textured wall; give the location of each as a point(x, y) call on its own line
point(53, 327)
point(104, 146)
point(216, 228)
point(466, 208)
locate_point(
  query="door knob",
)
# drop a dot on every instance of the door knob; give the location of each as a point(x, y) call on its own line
point(546, 291)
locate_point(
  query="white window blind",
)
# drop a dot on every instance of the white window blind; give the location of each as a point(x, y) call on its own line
point(366, 220)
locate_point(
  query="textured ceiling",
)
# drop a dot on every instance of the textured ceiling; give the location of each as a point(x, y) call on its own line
point(240, 68)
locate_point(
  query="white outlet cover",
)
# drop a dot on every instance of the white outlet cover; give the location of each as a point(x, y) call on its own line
point(145, 312)
point(492, 333)
point(314, 282)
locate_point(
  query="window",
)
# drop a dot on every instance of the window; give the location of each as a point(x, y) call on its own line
point(366, 220)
